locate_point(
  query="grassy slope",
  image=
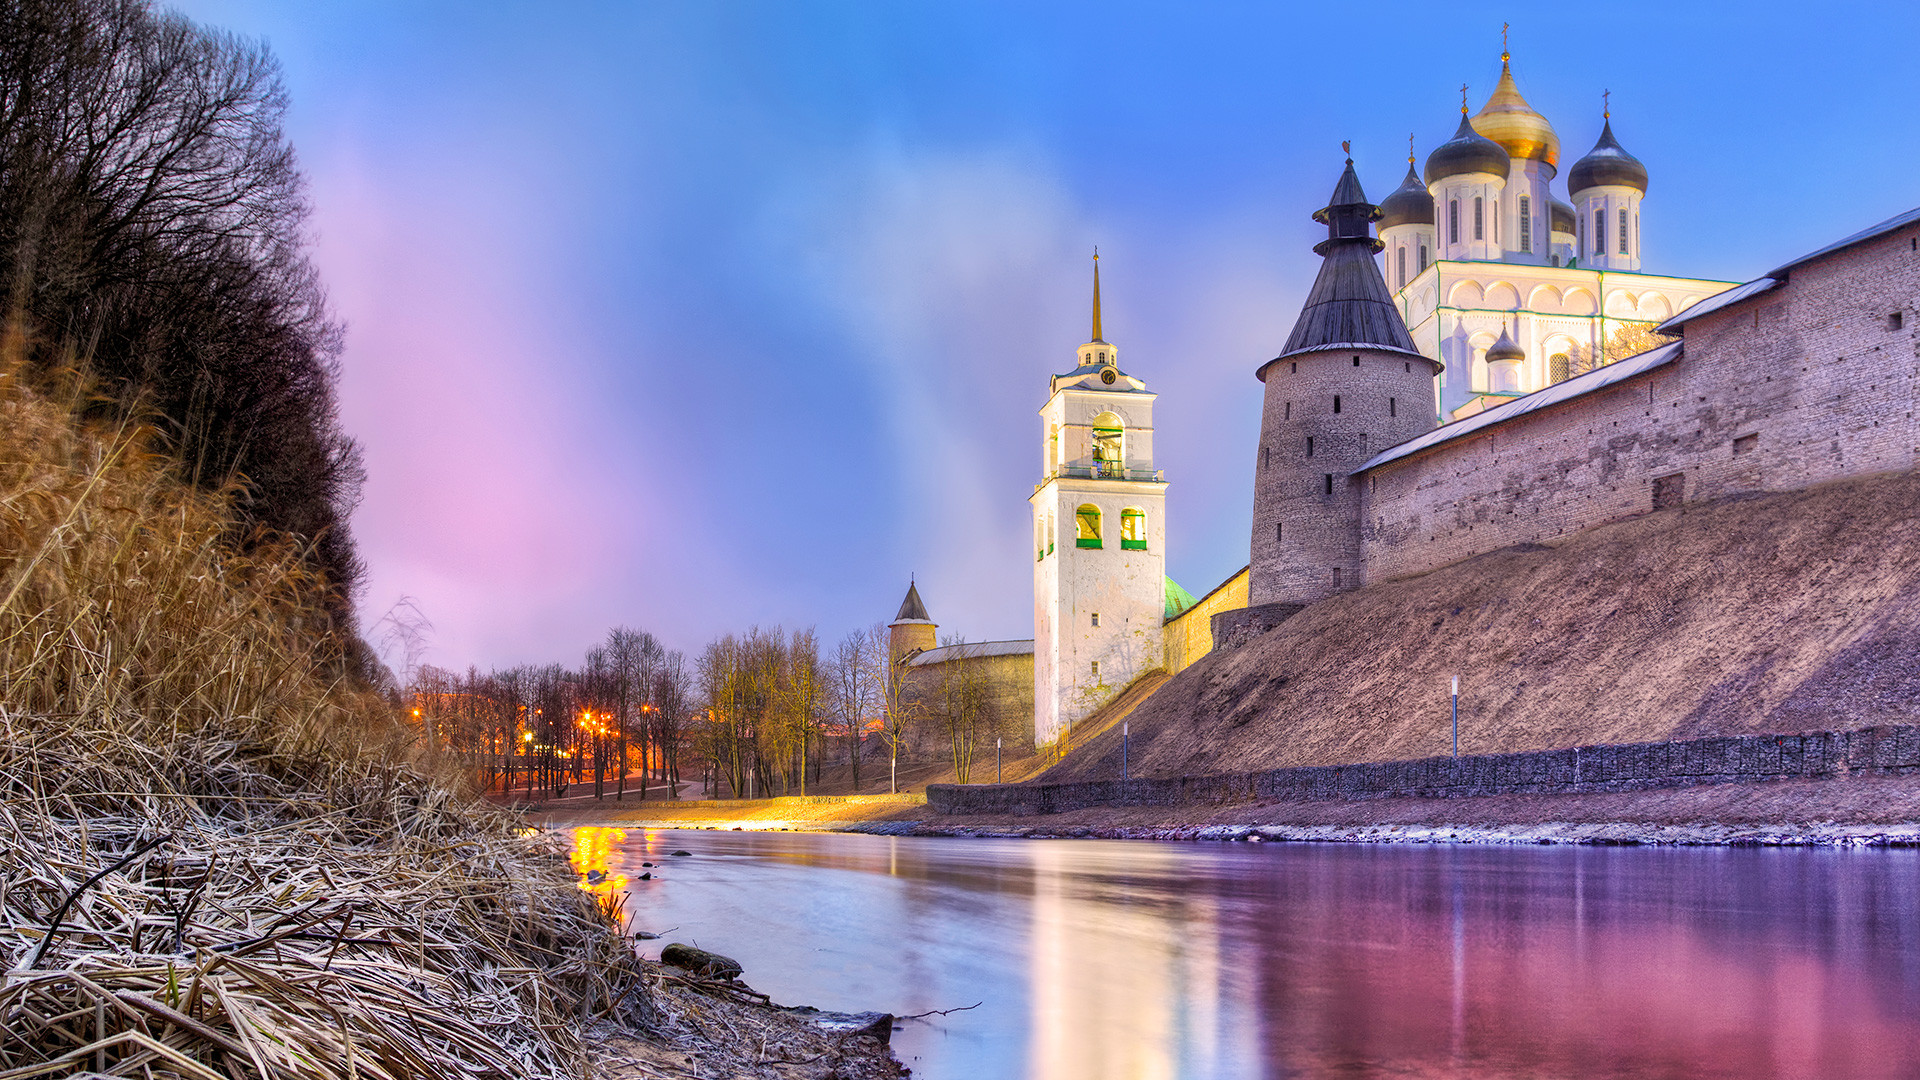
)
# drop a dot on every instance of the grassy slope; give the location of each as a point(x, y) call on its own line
point(1788, 612)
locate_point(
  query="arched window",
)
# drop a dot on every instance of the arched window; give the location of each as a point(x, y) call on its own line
point(1623, 232)
point(1453, 221)
point(1479, 218)
point(1133, 529)
point(1039, 537)
point(1526, 223)
point(1423, 256)
point(1403, 265)
point(1599, 239)
point(1109, 444)
point(1559, 368)
point(1088, 520)
point(1049, 532)
point(1053, 449)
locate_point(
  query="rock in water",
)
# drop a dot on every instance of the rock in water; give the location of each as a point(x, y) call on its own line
point(680, 853)
point(701, 962)
point(874, 1025)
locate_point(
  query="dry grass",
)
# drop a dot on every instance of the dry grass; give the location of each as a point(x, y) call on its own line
point(216, 860)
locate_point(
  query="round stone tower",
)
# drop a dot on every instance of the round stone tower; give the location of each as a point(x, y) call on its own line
point(1348, 385)
point(912, 630)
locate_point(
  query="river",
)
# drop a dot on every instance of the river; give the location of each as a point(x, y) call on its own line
point(1094, 960)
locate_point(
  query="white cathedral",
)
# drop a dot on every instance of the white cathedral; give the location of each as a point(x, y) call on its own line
point(1509, 287)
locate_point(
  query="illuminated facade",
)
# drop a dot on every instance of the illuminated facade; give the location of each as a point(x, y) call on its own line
point(1480, 246)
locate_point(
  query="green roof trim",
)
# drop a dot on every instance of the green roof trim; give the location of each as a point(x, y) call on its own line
point(1178, 599)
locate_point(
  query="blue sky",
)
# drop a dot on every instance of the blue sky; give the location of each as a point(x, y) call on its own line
point(692, 316)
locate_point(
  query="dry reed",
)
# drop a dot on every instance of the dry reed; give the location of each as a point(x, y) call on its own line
point(216, 860)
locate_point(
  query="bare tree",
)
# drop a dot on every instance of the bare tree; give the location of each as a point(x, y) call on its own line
point(802, 693)
point(853, 693)
point(899, 697)
point(963, 707)
point(406, 631)
point(671, 710)
point(633, 656)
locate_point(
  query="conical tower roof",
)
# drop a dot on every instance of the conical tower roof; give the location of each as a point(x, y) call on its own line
point(1507, 119)
point(911, 609)
point(1349, 305)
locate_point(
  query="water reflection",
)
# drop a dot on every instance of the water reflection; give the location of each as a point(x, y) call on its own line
point(1096, 959)
point(596, 856)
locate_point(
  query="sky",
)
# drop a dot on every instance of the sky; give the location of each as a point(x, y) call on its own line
point(695, 316)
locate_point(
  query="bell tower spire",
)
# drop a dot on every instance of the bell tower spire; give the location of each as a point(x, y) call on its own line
point(1096, 296)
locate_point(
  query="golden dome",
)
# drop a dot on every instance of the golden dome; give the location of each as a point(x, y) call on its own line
point(1507, 119)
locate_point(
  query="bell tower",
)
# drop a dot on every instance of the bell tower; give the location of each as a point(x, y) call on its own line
point(1099, 527)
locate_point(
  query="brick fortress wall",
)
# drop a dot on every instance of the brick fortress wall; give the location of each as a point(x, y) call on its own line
point(1809, 382)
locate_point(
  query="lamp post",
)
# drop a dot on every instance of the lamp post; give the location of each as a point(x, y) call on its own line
point(593, 752)
point(526, 751)
point(1456, 718)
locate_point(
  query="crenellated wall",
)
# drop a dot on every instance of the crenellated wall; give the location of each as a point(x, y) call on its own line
point(1814, 380)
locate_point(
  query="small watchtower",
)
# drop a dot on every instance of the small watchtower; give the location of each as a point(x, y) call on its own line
point(911, 631)
point(1348, 384)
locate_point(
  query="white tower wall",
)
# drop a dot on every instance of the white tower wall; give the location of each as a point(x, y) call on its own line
point(1532, 180)
point(1413, 242)
point(1461, 191)
point(1602, 251)
point(1119, 577)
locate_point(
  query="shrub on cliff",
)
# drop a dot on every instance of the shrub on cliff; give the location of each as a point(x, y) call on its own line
point(151, 220)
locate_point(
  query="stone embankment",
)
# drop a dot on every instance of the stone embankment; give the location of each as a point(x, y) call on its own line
point(1725, 759)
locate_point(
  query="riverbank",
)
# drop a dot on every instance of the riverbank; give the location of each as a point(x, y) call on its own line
point(225, 857)
point(1854, 811)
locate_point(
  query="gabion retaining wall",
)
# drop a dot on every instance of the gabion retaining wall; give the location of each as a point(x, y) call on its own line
point(1727, 759)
